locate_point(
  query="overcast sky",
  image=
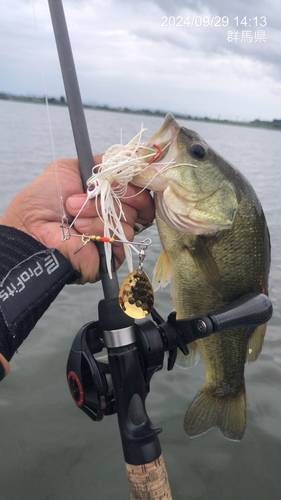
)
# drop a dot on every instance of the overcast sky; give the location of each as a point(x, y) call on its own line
point(146, 54)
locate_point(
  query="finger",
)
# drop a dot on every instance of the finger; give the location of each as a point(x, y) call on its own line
point(83, 258)
point(94, 226)
point(4, 367)
point(89, 225)
point(74, 204)
point(93, 208)
point(142, 201)
point(2, 371)
point(71, 164)
point(86, 261)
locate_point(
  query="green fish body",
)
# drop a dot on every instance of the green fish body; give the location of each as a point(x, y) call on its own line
point(216, 248)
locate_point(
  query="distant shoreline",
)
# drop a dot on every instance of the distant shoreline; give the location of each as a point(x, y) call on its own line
point(274, 124)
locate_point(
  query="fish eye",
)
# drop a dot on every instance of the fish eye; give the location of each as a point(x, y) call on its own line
point(197, 151)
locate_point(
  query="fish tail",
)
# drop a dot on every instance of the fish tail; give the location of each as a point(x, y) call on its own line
point(208, 410)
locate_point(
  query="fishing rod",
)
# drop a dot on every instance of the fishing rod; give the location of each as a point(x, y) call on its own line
point(144, 461)
point(136, 349)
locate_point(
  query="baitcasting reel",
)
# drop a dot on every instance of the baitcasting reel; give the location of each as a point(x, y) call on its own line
point(89, 378)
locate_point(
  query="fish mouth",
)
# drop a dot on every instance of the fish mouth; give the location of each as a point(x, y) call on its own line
point(164, 143)
point(180, 199)
point(174, 203)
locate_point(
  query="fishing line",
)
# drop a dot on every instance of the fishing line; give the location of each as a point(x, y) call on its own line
point(49, 121)
point(62, 214)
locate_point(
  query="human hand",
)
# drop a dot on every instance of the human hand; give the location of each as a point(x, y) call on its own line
point(36, 211)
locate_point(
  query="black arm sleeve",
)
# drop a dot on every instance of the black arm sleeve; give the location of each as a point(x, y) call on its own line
point(31, 276)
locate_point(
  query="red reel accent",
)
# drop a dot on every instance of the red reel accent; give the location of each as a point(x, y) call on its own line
point(79, 402)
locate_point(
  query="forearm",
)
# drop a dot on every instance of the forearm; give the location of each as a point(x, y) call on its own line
point(31, 276)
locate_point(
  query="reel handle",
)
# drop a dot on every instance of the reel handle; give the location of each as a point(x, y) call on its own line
point(252, 309)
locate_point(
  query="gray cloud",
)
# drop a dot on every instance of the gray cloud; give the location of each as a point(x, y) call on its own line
point(125, 57)
point(214, 40)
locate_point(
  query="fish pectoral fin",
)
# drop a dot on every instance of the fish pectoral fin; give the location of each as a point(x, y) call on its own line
point(255, 343)
point(208, 410)
point(206, 265)
point(161, 271)
point(186, 361)
point(217, 210)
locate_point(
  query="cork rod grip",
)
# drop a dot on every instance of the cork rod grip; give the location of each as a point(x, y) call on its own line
point(149, 481)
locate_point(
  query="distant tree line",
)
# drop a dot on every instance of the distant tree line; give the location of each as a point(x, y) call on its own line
point(274, 124)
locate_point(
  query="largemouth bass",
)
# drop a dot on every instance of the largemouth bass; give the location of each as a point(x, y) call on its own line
point(216, 248)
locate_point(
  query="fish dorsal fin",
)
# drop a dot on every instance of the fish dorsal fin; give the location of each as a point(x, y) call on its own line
point(206, 264)
point(255, 343)
point(162, 271)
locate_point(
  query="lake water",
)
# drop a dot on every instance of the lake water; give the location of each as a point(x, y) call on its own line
point(49, 449)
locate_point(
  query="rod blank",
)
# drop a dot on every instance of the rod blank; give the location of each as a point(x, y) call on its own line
point(78, 122)
point(73, 96)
